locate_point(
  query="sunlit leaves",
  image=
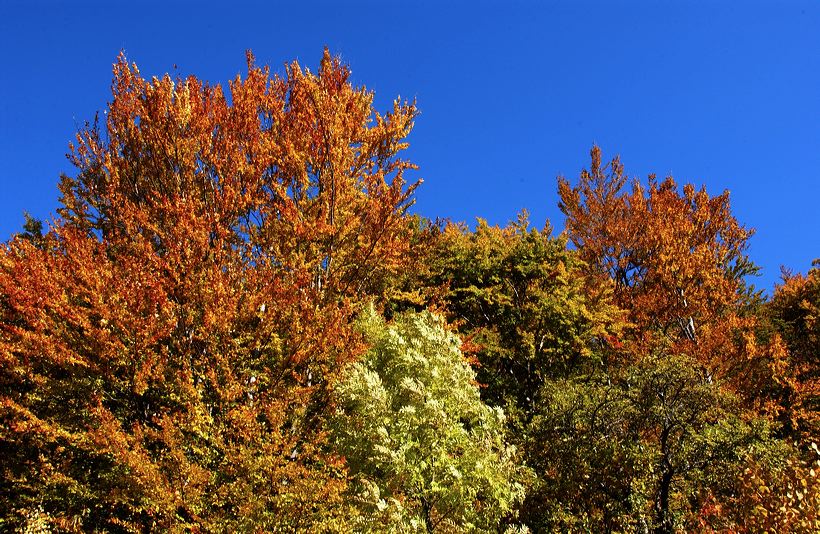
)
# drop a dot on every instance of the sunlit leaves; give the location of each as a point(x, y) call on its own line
point(190, 345)
point(522, 300)
point(426, 453)
point(795, 312)
point(170, 345)
point(673, 257)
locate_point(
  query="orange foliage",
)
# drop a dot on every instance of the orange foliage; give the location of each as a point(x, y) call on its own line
point(671, 255)
point(784, 501)
point(168, 348)
point(795, 311)
point(678, 262)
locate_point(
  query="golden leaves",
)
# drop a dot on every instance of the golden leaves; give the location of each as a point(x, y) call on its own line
point(133, 339)
point(677, 258)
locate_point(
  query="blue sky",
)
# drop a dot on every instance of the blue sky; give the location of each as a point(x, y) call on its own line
point(721, 94)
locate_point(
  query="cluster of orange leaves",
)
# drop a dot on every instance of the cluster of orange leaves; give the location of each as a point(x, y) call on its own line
point(795, 306)
point(168, 347)
point(678, 262)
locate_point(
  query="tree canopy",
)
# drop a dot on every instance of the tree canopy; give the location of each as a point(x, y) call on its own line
point(234, 323)
point(426, 452)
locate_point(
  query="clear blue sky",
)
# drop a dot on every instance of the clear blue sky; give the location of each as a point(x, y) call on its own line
point(511, 94)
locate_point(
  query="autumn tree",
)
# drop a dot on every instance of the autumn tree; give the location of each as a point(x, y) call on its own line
point(169, 346)
point(679, 264)
point(677, 259)
point(795, 312)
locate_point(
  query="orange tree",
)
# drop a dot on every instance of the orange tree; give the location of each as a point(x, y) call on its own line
point(168, 346)
point(678, 262)
point(795, 313)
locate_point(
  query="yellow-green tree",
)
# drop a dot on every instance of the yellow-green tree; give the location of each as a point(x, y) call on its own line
point(426, 454)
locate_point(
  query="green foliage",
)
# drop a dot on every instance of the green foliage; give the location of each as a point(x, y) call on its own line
point(518, 294)
point(425, 452)
point(646, 450)
point(32, 229)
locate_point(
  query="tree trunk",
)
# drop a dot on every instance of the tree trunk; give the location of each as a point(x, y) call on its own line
point(663, 523)
point(428, 521)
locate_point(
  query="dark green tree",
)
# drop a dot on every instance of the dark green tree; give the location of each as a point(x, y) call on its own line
point(645, 449)
point(520, 298)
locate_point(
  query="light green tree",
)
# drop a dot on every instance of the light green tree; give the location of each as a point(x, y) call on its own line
point(426, 453)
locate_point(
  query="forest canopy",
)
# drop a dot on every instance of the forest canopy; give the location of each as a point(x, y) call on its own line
point(234, 322)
